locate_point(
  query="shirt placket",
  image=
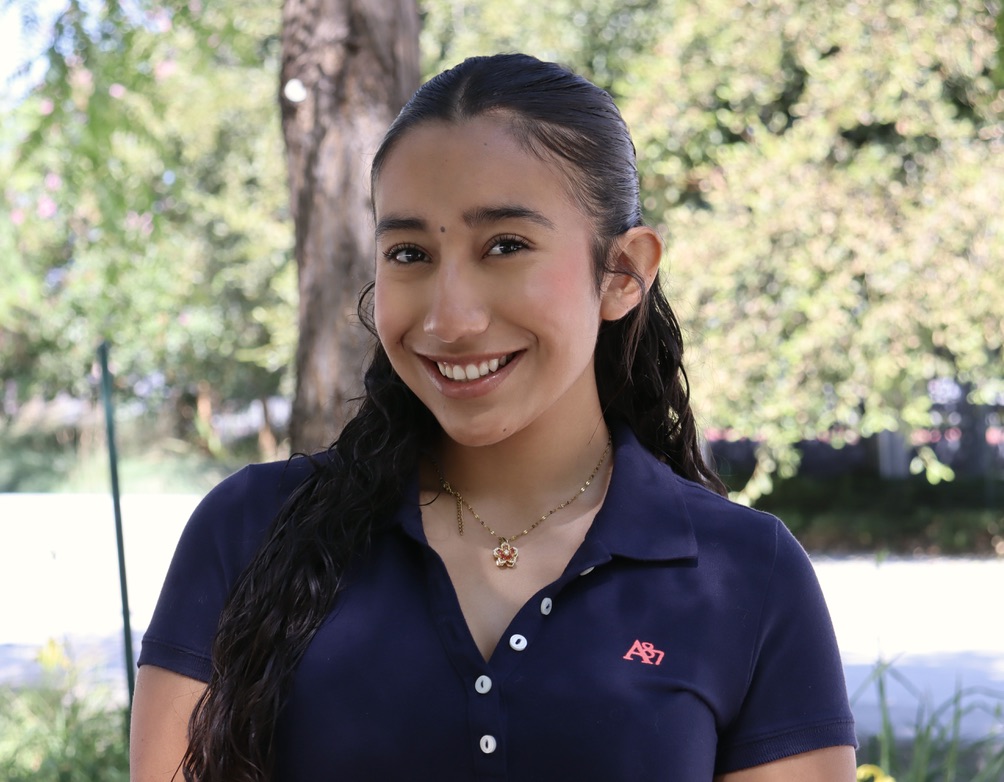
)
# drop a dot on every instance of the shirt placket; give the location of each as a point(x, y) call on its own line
point(486, 682)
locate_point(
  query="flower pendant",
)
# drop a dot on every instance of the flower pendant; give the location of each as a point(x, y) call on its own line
point(505, 553)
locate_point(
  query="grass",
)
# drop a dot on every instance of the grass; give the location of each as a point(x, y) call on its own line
point(150, 462)
point(934, 750)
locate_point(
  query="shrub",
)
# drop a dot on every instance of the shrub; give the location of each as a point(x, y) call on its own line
point(56, 732)
point(935, 750)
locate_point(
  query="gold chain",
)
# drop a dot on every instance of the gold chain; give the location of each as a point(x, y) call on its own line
point(506, 553)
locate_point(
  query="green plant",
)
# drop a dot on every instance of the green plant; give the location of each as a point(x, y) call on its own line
point(55, 732)
point(36, 458)
point(935, 750)
point(861, 512)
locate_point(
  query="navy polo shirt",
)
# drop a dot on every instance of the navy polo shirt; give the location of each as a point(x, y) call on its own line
point(687, 637)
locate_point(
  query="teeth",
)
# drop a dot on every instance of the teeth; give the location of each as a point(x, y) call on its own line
point(467, 372)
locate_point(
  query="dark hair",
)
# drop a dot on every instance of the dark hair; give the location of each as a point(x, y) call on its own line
point(289, 587)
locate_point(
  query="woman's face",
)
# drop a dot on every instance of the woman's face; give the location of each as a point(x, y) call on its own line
point(485, 298)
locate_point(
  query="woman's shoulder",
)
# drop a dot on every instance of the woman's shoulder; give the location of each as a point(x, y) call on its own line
point(716, 513)
point(237, 512)
point(653, 487)
point(265, 484)
point(219, 540)
point(750, 545)
point(655, 513)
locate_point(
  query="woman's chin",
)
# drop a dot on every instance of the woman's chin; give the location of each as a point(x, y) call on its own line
point(475, 435)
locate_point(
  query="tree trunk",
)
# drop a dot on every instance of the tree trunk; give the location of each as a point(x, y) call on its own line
point(347, 68)
point(268, 446)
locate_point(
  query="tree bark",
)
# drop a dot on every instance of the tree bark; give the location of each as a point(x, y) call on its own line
point(357, 62)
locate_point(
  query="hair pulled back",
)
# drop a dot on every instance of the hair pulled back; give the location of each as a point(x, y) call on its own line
point(568, 121)
point(288, 588)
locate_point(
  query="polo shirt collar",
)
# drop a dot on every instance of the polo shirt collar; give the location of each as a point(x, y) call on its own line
point(644, 515)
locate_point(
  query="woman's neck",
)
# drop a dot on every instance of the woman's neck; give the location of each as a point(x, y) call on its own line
point(527, 473)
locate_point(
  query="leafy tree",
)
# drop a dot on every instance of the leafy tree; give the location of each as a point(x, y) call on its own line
point(145, 205)
point(599, 39)
point(168, 228)
point(833, 209)
point(828, 177)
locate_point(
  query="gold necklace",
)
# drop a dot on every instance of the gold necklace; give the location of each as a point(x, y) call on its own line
point(505, 552)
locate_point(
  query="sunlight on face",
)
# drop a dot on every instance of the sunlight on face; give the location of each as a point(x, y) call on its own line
point(485, 297)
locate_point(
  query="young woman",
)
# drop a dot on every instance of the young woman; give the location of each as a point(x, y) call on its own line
point(513, 564)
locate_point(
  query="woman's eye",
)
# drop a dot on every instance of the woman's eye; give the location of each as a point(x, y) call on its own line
point(506, 245)
point(405, 254)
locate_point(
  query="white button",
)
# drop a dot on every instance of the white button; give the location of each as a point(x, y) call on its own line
point(483, 684)
point(587, 571)
point(488, 744)
point(517, 642)
point(545, 606)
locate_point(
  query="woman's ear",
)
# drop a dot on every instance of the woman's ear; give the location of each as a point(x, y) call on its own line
point(639, 251)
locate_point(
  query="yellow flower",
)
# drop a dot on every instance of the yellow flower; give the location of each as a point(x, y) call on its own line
point(52, 657)
point(870, 773)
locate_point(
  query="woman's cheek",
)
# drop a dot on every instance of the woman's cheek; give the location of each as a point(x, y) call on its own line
point(563, 287)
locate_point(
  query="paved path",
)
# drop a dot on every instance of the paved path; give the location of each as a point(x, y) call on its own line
point(938, 620)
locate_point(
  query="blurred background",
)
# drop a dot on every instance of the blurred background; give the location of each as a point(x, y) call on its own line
point(828, 177)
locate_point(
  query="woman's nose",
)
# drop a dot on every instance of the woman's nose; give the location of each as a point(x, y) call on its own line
point(458, 305)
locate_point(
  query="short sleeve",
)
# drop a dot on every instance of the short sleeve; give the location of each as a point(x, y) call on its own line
point(218, 542)
point(796, 699)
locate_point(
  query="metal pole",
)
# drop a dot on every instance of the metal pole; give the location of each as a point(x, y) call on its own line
point(106, 393)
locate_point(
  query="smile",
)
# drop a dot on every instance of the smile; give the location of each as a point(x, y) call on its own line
point(467, 372)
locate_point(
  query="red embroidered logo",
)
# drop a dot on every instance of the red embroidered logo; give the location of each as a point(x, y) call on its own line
point(646, 652)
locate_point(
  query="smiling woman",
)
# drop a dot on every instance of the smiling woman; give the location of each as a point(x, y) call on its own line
point(506, 277)
point(527, 379)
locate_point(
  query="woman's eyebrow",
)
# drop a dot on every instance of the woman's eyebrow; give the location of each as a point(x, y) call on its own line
point(473, 218)
point(485, 215)
point(397, 223)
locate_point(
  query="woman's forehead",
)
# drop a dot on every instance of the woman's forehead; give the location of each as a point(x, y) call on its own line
point(484, 154)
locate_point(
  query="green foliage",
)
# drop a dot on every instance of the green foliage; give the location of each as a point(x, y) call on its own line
point(829, 179)
point(834, 237)
point(934, 750)
point(601, 39)
point(37, 457)
point(145, 187)
point(54, 733)
point(857, 512)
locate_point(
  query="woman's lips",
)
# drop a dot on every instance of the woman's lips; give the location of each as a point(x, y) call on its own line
point(466, 388)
